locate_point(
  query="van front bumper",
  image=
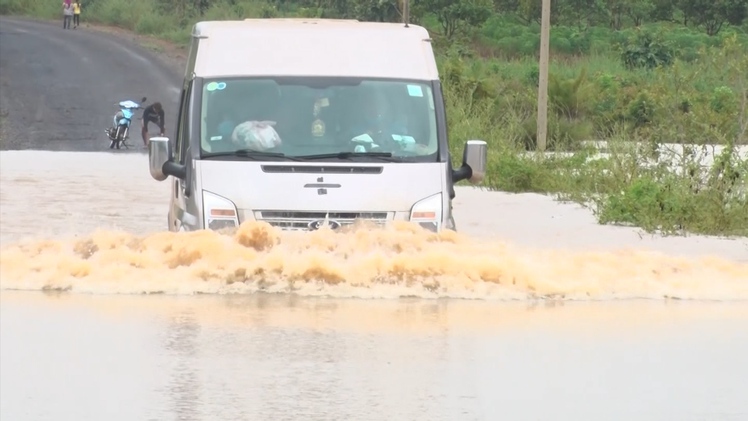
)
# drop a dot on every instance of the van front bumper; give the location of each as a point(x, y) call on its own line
point(313, 220)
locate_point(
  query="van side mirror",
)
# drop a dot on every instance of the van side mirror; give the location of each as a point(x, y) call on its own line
point(158, 155)
point(474, 160)
point(159, 160)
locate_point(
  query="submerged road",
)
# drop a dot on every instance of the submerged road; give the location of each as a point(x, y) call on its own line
point(93, 354)
point(59, 88)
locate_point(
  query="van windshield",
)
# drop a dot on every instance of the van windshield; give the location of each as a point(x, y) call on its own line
point(319, 119)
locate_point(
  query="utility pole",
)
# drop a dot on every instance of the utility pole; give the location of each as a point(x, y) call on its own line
point(545, 35)
point(406, 12)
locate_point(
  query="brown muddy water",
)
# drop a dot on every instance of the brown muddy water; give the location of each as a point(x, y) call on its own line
point(530, 312)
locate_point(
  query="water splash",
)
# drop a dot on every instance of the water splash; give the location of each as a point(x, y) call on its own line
point(364, 262)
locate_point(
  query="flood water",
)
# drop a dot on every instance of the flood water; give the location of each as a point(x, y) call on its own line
point(103, 316)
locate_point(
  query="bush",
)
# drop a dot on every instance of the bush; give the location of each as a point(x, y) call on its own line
point(647, 50)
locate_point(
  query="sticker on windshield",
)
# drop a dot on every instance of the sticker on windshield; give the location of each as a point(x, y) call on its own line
point(415, 90)
point(212, 86)
point(221, 86)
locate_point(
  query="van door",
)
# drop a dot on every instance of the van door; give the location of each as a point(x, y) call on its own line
point(186, 217)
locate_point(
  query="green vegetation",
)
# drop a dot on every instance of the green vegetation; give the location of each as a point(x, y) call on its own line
point(640, 75)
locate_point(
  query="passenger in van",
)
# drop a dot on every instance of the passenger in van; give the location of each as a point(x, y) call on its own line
point(240, 116)
point(227, 124)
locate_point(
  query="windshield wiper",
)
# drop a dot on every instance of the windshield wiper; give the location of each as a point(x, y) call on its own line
point(249, 153)
point(384, 156)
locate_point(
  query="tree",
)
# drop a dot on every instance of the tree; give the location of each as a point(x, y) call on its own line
point(616, 11)
point(530, 11)
point(379, 10)
point(455, 14)
point(713, 14)
point(581, 13)
point(639, 10)
point(663, 10)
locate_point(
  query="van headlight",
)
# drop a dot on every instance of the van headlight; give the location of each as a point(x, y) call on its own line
point(219, 212)
point(428, 212)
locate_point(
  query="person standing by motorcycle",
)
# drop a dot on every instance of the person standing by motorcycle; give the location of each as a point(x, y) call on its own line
point(153, 113)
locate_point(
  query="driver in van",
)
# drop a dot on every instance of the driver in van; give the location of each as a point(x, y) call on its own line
point(373, 117)
point(374, 121)
point(389, 120)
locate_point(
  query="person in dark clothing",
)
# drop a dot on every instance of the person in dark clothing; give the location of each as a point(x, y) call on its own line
point(153, 113)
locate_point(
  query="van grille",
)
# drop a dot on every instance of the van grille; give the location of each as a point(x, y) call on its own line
point(321, 169)
point(303, 221)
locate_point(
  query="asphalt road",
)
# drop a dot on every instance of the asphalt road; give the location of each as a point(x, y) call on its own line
point(59, 88)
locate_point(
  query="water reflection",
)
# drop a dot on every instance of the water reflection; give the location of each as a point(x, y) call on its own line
point(184, 392)
point(287, 358)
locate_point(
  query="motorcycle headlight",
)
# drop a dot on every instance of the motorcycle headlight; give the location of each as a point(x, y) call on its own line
point(219, 212)
point(428, 212)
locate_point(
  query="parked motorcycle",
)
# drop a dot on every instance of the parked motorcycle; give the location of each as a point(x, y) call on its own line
point(119, 133)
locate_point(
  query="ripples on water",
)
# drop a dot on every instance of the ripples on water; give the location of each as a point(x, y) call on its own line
point(401, 260)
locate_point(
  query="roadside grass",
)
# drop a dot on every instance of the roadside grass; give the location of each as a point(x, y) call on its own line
point(152, 46)
point(695, 98)
point(664, 188)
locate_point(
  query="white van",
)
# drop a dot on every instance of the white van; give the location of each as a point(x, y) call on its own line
point(309, 122)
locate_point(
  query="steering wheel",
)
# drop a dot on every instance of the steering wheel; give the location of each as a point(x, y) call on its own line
point(383, 140)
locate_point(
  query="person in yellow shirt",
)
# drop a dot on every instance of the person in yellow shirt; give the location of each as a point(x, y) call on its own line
point(76, 14)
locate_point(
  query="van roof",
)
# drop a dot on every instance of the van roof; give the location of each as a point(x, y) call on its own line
point(313, 47)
